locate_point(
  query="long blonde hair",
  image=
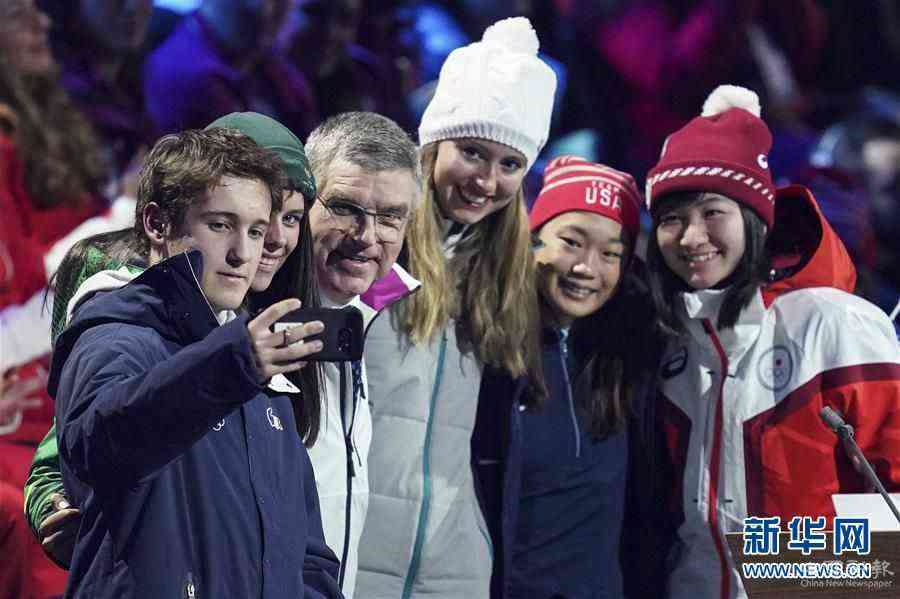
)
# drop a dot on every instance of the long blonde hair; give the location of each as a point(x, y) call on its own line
point(488, 285)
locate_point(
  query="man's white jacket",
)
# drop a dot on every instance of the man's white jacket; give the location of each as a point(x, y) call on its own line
point(340, 456)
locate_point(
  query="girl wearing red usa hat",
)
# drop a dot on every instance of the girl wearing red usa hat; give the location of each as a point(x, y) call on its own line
point(754, 290)
point(562, 497)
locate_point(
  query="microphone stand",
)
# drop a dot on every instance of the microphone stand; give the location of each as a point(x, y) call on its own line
point(843, 430)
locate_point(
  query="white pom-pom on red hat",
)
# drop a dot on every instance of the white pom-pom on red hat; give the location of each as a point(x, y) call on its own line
point(515, 34)
point(726, 97)
point(723, 151)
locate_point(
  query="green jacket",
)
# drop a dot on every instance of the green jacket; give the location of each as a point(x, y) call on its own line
point(44, 479)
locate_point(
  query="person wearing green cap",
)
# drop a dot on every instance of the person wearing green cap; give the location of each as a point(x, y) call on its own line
point(174, 437)
point(358, 147)
point(288, 275)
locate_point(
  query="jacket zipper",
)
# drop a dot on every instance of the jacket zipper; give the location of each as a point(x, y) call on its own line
point(413, 571)
point(351, 470)
point(715, 459)
point(565, 368)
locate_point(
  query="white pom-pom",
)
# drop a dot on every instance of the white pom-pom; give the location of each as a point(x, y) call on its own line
point(731, 96)
point(515, 34)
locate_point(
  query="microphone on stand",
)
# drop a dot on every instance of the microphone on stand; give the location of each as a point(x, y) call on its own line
point(832, 418)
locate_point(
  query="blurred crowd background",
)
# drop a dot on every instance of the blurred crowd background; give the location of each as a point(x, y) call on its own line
point(630, 72)
point(87, 86)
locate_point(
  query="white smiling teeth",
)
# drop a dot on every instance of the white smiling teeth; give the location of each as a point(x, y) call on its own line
point(575, 291)
point(473, 201)
point(701, 257)
point(353, 257)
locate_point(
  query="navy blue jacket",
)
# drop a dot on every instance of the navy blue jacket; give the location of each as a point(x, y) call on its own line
point(192, 479)
point(498, 459)
point(572, 498)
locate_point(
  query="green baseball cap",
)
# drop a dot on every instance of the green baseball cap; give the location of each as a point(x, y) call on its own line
point(272, 135)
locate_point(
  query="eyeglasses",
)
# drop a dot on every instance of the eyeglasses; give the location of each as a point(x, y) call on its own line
point(388, 225)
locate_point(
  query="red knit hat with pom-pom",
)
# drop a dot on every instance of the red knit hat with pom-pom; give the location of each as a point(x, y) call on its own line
point(724, 150)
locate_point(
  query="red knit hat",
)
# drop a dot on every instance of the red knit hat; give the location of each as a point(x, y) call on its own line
point(725, 150)
point(572, 183)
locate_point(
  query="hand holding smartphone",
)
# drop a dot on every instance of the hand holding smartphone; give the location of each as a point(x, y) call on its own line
point(342, 338)
point(271, 353)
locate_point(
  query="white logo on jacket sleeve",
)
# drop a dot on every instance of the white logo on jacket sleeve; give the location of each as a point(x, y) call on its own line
point(775, 368)
point(219, 425)
point(274, 420)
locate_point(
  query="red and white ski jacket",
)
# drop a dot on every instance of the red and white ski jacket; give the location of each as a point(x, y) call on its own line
point(740, 407)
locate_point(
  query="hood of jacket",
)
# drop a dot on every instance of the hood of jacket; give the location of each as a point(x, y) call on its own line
point(806, 252)
point(105, 280)
point(166, 298)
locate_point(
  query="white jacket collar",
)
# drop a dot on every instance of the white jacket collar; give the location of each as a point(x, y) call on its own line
point(226, 316)
point(706, 304)
point(454, 233)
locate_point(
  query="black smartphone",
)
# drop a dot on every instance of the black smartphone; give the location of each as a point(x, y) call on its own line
point(342, 339)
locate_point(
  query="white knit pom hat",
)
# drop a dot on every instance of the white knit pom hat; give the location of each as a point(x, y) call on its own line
point(496, 89)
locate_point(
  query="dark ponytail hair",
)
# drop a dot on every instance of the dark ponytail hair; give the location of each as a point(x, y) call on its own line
point(297, 278)
point(620, 354)
point(749, 275)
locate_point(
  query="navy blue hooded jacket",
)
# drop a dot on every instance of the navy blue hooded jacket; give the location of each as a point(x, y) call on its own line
point(191, 477)
point(545, 459)
point(563, 534)
point(572, 498)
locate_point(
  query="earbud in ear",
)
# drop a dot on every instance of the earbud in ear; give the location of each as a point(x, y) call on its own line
point(155, 224)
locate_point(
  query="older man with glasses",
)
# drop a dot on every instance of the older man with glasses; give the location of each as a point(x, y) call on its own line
point(389, 225)
point(367, 178)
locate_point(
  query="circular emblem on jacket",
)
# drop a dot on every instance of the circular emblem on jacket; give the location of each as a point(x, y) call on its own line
point(775, 368)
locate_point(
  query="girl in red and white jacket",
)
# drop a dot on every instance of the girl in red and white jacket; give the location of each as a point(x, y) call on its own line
point(755, 290)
